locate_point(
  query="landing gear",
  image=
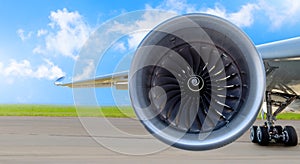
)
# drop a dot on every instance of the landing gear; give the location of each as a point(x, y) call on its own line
point(269, 132)
point(253, 136)
point(262, 135)
point(290, 136)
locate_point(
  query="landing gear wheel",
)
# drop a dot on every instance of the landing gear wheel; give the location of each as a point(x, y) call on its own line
point(253, 135)
point(290, 136)
point(262, 135)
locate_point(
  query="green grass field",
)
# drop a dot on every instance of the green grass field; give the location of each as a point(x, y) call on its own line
point(70, 111)
point(64, 111)
point(286, 116)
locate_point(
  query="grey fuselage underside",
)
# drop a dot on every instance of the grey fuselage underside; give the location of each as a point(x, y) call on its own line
point(283, 71)
point(282, 63)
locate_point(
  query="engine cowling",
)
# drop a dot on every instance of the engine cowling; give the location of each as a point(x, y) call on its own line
point(197, 82)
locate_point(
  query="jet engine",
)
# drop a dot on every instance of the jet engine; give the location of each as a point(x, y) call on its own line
point(197, 82)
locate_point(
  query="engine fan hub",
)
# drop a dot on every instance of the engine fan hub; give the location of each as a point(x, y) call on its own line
point(195, 83)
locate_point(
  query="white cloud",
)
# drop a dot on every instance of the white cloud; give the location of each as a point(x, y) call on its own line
point(68, 30)
point(23, 68)
point(67, 34)
point(120, 46)
point(281, 12)
point(177, 6)
point(135, 39)
point(278, 12)
point(22, 35)
point(1, 66)
point(148, 21)
point(41, 32)
point(138, 29)
point(245, 16)
point(87, 70)
point(39, 50)
point(242, 18)
point(48, 71)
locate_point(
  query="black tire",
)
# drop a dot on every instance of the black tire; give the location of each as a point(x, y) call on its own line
point(253, 135)
point(262, 135)
point(291, 138)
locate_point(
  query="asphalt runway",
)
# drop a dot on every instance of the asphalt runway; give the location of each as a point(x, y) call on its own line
point(65, 140)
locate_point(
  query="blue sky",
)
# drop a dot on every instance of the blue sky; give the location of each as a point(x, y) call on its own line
point(42, 40)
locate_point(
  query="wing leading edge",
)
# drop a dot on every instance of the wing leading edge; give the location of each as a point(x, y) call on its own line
point(289, 48)
point(118, 80)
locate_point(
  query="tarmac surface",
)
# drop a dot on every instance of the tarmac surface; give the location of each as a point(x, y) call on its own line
point(65, 140)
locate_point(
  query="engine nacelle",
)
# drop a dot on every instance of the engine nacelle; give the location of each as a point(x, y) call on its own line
point(197, 82)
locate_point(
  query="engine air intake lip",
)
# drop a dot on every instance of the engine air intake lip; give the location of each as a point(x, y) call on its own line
point(197, 82)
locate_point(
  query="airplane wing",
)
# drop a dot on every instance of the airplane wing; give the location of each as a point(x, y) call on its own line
point(289, 48)
point(118, 80)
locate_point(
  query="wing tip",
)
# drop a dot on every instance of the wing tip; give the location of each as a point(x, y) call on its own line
point(58, 82)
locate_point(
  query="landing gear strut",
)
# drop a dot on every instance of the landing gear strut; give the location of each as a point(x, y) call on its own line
point(269, 132)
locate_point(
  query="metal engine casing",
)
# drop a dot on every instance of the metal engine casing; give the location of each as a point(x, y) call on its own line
point(196, 28)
